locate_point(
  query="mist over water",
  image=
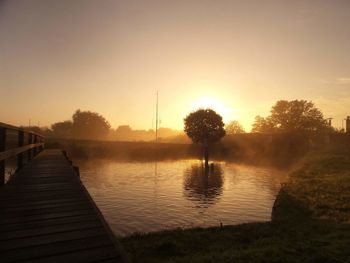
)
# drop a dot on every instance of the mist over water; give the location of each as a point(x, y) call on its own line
point(152, 196)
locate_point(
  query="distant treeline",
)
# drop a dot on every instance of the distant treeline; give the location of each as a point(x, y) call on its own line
point(286, 117)
point(87, 125)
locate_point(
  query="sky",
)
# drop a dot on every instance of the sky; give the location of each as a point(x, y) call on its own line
point(110, 57)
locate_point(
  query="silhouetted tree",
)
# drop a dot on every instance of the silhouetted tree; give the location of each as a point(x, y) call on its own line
point(89, 125)
point(263, 125)
point(62, 129)
point(124, 133)
point(204, 126)
point(234, 127)
point(124, 129)
point(292, 116)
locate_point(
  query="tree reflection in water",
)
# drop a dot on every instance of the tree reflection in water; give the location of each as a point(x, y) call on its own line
point(203, 185)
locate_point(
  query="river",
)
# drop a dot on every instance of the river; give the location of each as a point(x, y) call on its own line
point(149, 196)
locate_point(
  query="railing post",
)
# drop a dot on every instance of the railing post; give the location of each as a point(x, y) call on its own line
point(35, 141)
point(41, 148)
point(30, 138)
point(2, 148)
point(20, 144)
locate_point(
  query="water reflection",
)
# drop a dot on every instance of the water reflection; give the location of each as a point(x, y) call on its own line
point(149, 196)
point(203, 185)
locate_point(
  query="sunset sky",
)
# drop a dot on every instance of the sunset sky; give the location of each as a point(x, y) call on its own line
point(238, 57)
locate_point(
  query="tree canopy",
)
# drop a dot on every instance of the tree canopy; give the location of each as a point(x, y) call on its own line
point(204, 126)
point(89, 125)
point(263, 125)
point(62, 129)
point(291, 116)
point(234, 127)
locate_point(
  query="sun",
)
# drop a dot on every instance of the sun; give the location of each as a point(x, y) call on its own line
point(215, 104)
point(206, 102)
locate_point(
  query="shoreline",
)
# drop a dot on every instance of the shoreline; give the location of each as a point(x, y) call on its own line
point(302, 228)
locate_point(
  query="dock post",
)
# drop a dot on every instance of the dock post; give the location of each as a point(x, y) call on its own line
point(35, 141)
point(30, 151)
point(20, 155)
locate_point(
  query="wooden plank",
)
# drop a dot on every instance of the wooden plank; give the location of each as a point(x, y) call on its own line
point(33, 218)
point(28, 197)
point(17, 200)
point(31, 206)
point(47, 223)
point(51, 238)
point(41, 211)
point(46, 215)
point(42, 180)
point(5, 204)
point(25, 233)
point(42, 188)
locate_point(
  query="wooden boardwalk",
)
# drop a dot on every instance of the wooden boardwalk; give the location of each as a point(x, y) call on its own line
point(46, 215)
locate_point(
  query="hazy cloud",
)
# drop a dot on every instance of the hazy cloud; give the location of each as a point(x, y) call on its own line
point(337, 81)
point(342, 81)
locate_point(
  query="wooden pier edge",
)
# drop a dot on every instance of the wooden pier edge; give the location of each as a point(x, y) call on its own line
point(112, 236)
point(45, 207)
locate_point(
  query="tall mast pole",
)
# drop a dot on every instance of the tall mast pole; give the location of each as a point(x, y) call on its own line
point(157, 118)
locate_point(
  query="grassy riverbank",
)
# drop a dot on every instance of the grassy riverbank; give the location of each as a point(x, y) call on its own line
point(310, 224)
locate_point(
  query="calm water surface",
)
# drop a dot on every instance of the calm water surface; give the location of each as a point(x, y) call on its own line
point(148, 196)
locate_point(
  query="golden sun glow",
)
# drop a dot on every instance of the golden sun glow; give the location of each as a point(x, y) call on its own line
point(215, 104)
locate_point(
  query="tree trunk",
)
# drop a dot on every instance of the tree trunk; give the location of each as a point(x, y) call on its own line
point(206, 157)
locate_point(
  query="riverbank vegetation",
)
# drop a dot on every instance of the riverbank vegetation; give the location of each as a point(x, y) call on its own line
point(322, 184)
point(280, 149)
point(255, 242)
point(310, 223)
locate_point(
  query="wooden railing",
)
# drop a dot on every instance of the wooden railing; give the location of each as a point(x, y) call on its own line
point(33, 145)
